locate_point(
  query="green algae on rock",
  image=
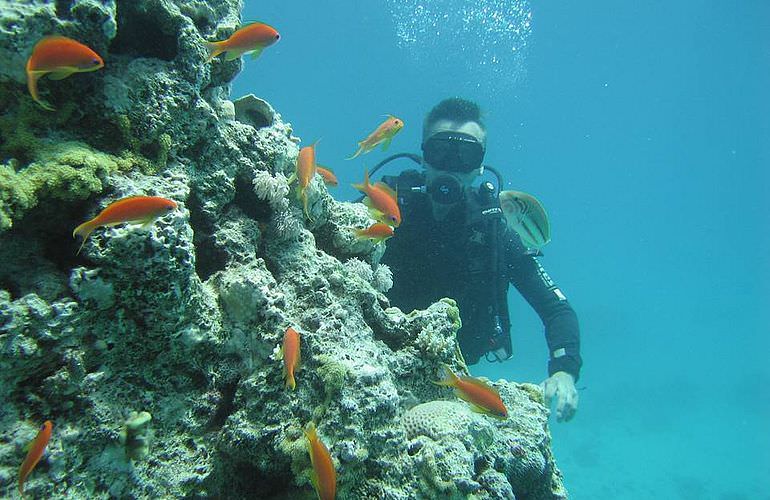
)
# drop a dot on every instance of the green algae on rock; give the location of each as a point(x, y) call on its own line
point(59, 171)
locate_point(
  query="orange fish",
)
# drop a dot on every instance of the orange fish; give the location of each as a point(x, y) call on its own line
point(329, 178)
point(306, 169)
point(291, 356)
point(324, 478)
point(383, 135)
point(377, 232)
point(135, 210)
point(483, 397)
point(252, 38)
point(381, 200)
point(35, 453)
point(58, 57)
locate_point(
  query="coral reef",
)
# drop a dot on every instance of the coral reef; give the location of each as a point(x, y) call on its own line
point(179, 321)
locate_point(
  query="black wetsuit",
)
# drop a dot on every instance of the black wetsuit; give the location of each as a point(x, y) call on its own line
point(471, 256)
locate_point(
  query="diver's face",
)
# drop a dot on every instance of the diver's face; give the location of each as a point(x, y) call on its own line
point(454, 148)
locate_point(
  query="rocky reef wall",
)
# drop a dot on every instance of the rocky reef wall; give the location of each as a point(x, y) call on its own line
point(152, 351)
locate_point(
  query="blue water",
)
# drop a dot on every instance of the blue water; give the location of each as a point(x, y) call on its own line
point(645, 131)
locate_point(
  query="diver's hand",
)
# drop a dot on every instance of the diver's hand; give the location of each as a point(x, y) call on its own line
point(562, 386)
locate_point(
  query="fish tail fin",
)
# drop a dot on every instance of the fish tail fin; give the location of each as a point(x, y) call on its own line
point(303, 196)
point(363, 187)
point(84, 231)
point(214, 48)
point(449, 379)
point(358, 151)
point(32, 78)
point(290, 382)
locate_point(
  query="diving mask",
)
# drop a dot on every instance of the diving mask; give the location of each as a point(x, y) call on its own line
point(453, 151)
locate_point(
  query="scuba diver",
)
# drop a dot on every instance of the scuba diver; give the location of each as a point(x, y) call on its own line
point(454, 242)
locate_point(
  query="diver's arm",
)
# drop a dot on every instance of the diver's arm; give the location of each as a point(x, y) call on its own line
point(561, 325)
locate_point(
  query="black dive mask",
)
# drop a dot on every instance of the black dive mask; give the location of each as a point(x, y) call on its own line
point(446, 189)
point(453, 152)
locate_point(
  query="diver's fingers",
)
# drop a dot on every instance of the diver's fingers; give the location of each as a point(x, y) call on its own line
point(567, 406)
point(561, 404)
point(549, 390)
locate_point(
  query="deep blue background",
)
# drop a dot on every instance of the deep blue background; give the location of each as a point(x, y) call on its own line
point(644, 130)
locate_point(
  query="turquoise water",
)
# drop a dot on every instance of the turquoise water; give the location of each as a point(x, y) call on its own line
point(645, 130)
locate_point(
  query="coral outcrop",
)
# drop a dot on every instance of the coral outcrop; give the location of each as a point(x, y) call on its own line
point(153, 350)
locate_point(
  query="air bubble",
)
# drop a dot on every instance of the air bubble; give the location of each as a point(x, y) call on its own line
point(482, 41)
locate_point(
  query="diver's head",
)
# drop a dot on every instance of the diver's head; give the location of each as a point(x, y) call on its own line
point(453, 146)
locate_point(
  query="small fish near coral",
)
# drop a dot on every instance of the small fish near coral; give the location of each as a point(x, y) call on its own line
point(250, 39)
point(306, 169)
point(290, 351)
point(328, 176)
point(142, 210)
point(35, 453)
point(377, 232)
point(323, 477)
point(382, 135)
point(58, 57)
point(482, 397)
point(381, 200)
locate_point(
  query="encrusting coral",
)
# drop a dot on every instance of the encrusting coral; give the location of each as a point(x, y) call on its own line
point(179, 320)
point(59, 171)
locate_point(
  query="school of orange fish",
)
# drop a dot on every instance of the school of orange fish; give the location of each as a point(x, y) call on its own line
point(59, 57)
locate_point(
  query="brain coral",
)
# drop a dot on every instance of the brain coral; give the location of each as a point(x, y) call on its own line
point(436, 419)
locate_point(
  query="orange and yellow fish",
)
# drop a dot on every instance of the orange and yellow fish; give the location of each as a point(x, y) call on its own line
point(382, 135)
point(378, 232)
point(328, 176)
point(323, 477)
point(381, 200)
point(35, 453)
point(135, 210)
point(291, 356)
point(483, 397)
point(58, 57)
point(306, 169)
point(252, 38)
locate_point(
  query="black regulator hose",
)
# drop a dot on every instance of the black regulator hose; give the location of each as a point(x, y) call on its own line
point(498, 175)
point(415, 158)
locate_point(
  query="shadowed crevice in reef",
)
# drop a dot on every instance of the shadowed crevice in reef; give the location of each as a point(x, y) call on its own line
point(225, 407)
point(39, 253)
point(142, 32)
point(208, 258)
point(63, 9)
point(247, 200)
point(233, 479)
